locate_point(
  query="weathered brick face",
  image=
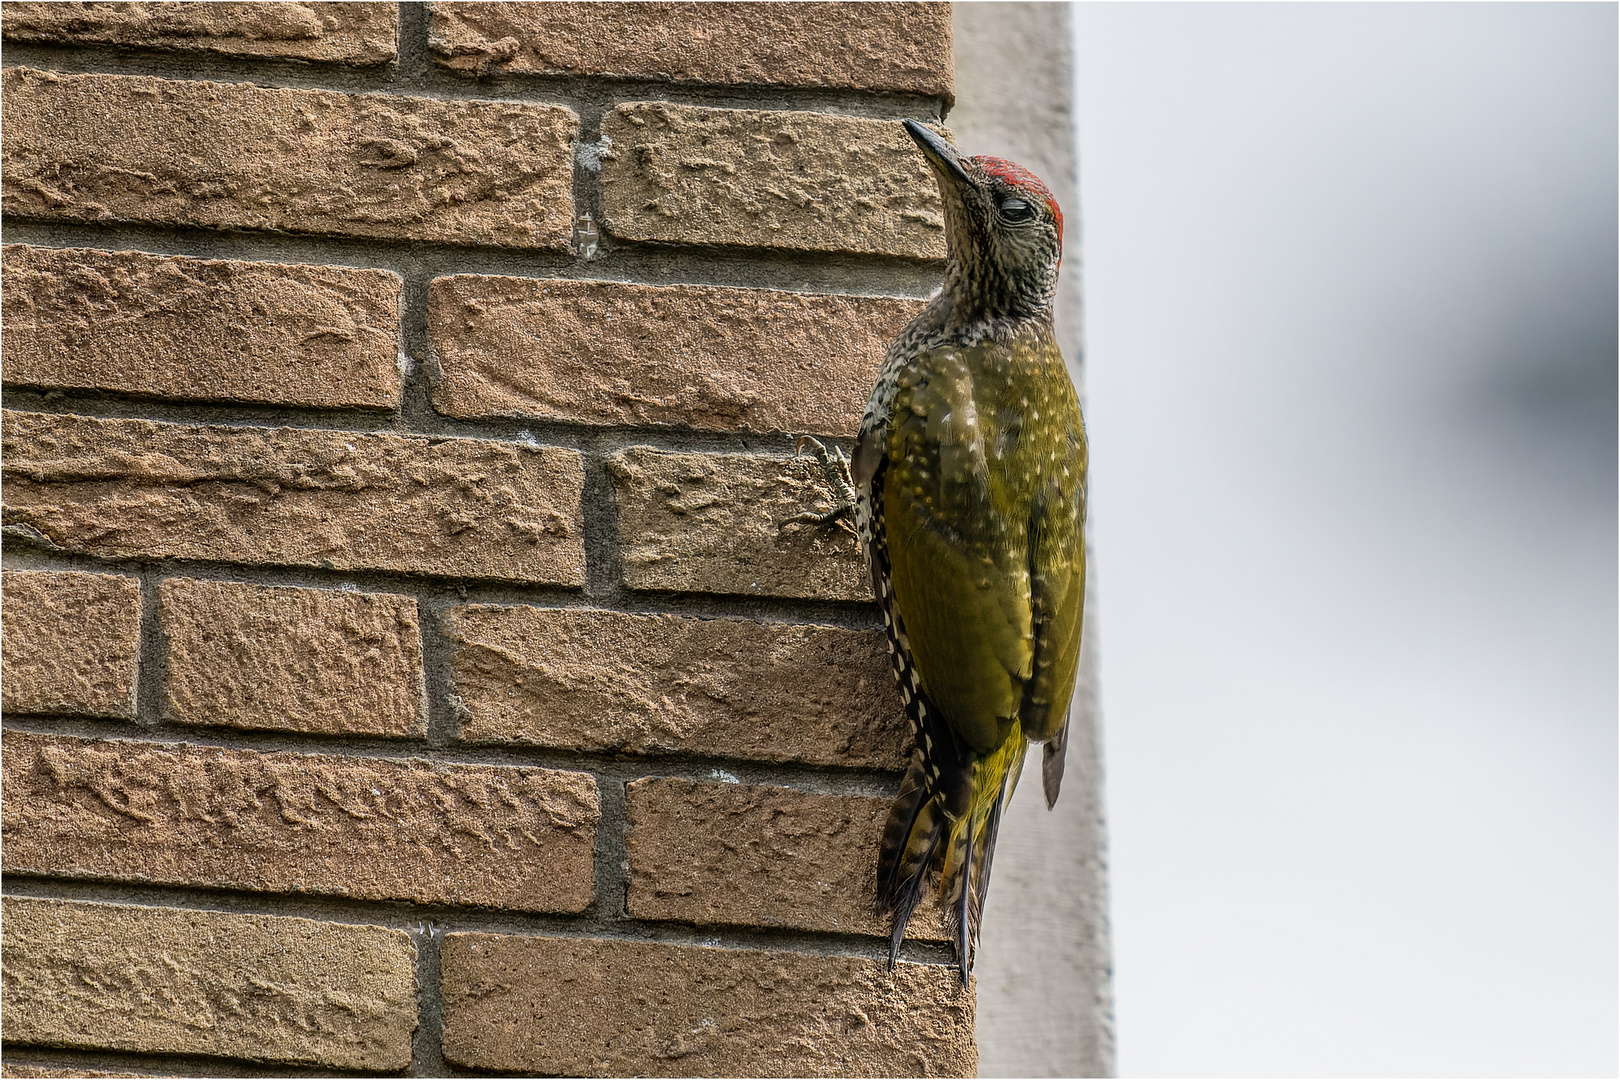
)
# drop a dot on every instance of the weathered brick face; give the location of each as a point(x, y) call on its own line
point(211, 155)
point(166, 980)
point(294, 497)
point(677, 174)
point(354, 33)
point(283, 659)
point(517, 838)
point(409, 662)
point(713, 523)
point(894, 47)
point(682, 1011)
point(750, 855)
point(72, 643)
point(713, 359)
point(204, 329)
point(665, 684)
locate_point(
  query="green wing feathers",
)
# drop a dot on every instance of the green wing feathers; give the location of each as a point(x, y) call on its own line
point(961, 582)
point(1059, 592)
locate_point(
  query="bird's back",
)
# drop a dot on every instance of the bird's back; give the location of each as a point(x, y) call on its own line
point(983, 501)
point(974, 520)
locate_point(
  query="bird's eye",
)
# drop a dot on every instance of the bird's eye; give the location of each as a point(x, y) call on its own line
point(1017, 210)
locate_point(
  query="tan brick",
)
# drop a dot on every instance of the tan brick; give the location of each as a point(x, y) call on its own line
point(286, 659)
point(894, 47)
point(297, 497)
point(701, 356)
point(162, 152)
point(347, 33)
point(169, 981)
point(582, 1007)
point(682, 174)
point(70, 643)
point(751, 855)
point(711, 523)
point(367, 828)
point(203, 329)
point(649, 684)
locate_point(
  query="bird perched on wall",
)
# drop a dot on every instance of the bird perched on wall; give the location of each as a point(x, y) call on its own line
point(968, 488)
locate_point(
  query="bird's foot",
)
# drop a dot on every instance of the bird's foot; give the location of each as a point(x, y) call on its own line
point(836, 467)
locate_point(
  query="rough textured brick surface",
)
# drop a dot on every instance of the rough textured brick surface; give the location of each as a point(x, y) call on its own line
point(719, 359)
point(202, 329)
point(515, 838)
point(573, 1007)
point(605, 680)
point(293, 496)
point(162, 152)
point(350, 33)
point(162, 980)
point(288, 659)
point(711, 523)
point(751, 855)
point(897, 47)
point(807, 181)
point(51, 1071)
point(70, 643)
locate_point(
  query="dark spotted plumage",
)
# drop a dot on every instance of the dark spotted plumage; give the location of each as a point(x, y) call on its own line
point(969, 475)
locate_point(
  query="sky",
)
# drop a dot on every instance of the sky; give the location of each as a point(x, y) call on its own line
point(1350, 289)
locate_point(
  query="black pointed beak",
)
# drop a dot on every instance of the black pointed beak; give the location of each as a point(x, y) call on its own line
point(941, 154)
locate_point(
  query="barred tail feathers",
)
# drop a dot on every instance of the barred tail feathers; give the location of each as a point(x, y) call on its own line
point(911, 843)
point(943, 829)
point(935, 793)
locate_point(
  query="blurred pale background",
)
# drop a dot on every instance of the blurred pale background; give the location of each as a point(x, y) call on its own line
point(1350, 296)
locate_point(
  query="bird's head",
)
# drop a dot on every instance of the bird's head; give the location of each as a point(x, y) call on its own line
point(1003, 232)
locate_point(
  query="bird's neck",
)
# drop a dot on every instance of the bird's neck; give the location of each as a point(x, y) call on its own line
point(980, 301)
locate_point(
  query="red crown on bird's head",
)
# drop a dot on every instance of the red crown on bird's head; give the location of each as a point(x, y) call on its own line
point(1015, 175)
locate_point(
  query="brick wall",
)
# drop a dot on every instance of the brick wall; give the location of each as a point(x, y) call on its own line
point(404, 669)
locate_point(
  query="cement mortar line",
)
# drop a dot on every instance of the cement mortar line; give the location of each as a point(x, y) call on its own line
point(151, 671)
point(417, 355)
point(454, 592)
point(605, 767)
point(423, 921)
point(610, 859)
point(620, 261)
point(427, 1041)
point(438, 686)
point(604, 553)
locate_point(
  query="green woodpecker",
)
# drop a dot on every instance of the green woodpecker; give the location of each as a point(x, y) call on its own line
point(970, 500)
